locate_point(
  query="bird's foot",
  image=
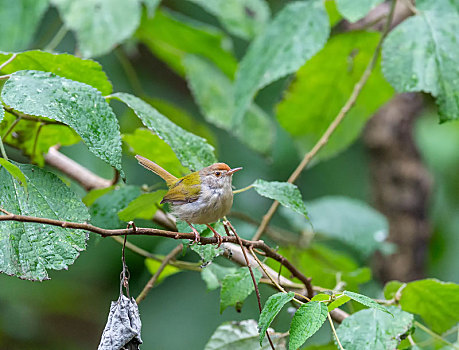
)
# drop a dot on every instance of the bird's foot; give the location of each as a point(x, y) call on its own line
point(197, 237)
point(216, 235)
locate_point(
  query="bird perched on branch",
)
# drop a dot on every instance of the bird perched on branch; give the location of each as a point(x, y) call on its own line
point(201, 197)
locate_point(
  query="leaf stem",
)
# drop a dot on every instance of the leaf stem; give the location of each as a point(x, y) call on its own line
point(434, 335)
point(2, 149)
point(243, 189)
point(334, 331)
point(55, 41)
point(173, 253)
point(8, 61)
point(332, 127)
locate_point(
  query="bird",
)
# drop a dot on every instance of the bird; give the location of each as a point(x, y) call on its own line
point(201, 197)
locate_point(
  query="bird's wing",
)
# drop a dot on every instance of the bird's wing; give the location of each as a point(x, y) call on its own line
point(181, 193)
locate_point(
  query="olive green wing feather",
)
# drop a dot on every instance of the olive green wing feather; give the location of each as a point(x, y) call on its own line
point(185, 190)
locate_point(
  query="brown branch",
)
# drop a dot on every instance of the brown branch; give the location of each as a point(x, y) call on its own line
point(332, 127)
point(87, 179)
point(158, 272)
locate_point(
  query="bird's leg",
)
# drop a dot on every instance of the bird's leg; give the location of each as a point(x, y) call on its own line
point(219, 238)
point(197, 237)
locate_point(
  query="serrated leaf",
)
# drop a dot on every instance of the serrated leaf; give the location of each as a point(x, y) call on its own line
point(306, 321)
point(324, 84)
point(294, 36)
point(171, 36)
point(153, 265)
point(272, 307)
point(435, 301)
point(441, 6)
point(353, 10)
point(236, 287)
point(191, 150)
point(143, 207)
point(213, 275)
point(341, 300)
point(364, 300)
point(99, 25)
point(214, 93)
point(241, 335)
point(104, 211)
point(285, 193)
point(348, 220)
point(373, 329)
point(78, 105)
point(421, 54)
point(14, 171)
point(20, 19)
point(68, 66)
point(28, 250)
point(242, 18)
point(150, 146)
point(26, 131)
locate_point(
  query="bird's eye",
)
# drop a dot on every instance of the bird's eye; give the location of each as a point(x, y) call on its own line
point(218, 174)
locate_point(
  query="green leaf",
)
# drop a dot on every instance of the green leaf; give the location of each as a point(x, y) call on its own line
point(353, 10)
point(294, 36)
point(364, 300)
point(191, 150)
point(391, 288)
point(286, 193)
point(321, 297)
point(78, 105)
point(373, 329)
point(236, 287)
point(104, 211)
point(68, 66)
point(28, 250)
point(143, 207)
point(242, 18)
point(213, 275)
point(99, 25)
point(26, 131)
point(333, 13)
point(2, 113)
point(421, 54)
point(435, 301)
point(324, 84)
point(170, 37)
point(15, 172)
point(325, 266)
point(213, 92)
point(348, 220)
point(92, 195)
point(441, 6)
point(241, 335)
point(272, 307)
point(341, 300)
point(153, 265)
point(306, 321)
point(149, 145)
point(20, 20)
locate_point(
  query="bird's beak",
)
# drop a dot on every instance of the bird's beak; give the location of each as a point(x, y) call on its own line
point(232, 171)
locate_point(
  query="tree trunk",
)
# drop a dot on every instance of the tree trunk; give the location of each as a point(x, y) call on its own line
point(401, 187)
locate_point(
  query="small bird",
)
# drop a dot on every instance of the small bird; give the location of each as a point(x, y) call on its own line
point(201, 197)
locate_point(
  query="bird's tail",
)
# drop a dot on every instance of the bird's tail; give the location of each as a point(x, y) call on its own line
point(148, 164)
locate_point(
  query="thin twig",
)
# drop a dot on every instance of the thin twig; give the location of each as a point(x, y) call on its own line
point(2, 150)
point(57, 38)
point(243, 189)
point(129, 70)
point(158, 272)
point(332, 127)
point(17, 120)
point(8, 61)
point(411, 7)
point(257, 292)
point(35, 142)
point(334, 331)
point(4, 77)
point(434, 335)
